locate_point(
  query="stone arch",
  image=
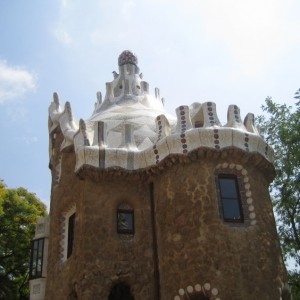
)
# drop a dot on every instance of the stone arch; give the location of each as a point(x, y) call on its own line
point(120, 291)
point(198, 292)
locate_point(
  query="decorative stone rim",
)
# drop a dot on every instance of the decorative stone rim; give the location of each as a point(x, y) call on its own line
point(247, 188)
point(206, 289)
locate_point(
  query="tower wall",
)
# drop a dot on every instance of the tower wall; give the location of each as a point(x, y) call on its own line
point(101, 257)
point(197, 248)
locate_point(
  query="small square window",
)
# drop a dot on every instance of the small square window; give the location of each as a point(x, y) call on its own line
point(125, 221)
point(230, 198)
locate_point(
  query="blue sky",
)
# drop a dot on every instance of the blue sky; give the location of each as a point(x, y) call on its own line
point(228, 52)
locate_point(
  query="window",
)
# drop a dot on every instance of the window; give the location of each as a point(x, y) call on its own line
point(125, 221)
point(230, 198)
point(71, 226)
point(36, 264)
point(68, 220)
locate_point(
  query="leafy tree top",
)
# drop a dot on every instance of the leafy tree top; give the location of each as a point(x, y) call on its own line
point(19, 212)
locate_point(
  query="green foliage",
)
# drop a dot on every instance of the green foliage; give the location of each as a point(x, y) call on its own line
point(281, 129)
point(19, 211)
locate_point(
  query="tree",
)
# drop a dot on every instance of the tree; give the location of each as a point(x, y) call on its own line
point(19, 211)
point(281, 129)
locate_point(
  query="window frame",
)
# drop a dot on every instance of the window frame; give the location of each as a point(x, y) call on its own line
point(130, 212)
point(238, 198)
point(35, 258)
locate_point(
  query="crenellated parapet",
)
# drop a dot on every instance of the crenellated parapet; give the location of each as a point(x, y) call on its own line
point(130, 128)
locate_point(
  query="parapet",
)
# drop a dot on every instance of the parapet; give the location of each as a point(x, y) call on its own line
point(131, 130)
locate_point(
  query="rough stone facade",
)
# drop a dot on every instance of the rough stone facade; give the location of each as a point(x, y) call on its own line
point(166, 175)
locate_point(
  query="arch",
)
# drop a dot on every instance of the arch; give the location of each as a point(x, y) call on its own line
point(198, 292)
point(120, 291)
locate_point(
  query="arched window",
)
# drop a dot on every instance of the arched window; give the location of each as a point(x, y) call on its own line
point(120, 291)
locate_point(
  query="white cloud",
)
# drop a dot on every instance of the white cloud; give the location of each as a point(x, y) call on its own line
point(25, 139)
point(15, 82)
point(128, 8)
point(62, 36)
point(251, 35)
point(255, 33)
point(60, 29)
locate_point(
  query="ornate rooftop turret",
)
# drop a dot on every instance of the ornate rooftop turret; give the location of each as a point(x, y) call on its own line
point(130, 129)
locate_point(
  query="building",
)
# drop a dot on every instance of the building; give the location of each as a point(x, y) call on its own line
point(148, 206)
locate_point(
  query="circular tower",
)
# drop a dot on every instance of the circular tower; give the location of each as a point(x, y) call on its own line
point(148, 206)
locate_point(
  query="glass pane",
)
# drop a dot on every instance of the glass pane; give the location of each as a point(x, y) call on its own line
point(39, 266)
point(41, 244)
point(228, 187)
point(71, 235)
point(40, 249)
point(231, 209)
point(35, 244)
point(34, 255)
point(125, 221)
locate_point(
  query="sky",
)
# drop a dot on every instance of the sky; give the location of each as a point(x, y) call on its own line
point(228, 52)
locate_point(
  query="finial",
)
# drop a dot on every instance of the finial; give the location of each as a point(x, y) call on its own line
point(68, 109)
point(157, 93)
point(82, 125)
point(99, 97)
point(127, 57)
point(55, 98)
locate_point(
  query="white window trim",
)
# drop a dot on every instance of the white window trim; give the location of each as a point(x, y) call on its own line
point(65, 232)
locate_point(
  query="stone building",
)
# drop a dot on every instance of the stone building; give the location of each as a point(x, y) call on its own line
point(148, 206)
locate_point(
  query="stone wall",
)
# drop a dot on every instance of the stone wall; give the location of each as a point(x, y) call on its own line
point(196, 250)
point(101, 257)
